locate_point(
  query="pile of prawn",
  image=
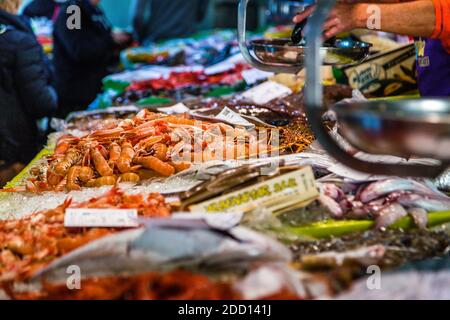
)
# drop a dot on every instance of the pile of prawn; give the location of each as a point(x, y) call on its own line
point(148, 145)
point(174, 285)
point(30, 243)
point(177, 284)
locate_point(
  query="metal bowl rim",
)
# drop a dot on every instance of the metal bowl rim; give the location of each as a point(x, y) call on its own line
point(280, 44)
point(396, 110)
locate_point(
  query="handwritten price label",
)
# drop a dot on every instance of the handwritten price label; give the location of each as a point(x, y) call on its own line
point(266, 92)
point(277, 193)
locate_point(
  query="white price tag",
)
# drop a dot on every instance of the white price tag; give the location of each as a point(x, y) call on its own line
point(172, 200)
point(223, 221)
point(233, 117)
point(252, 76)
point(100, 218)
point(266, 92)
point(178, 108)
point(219, 68)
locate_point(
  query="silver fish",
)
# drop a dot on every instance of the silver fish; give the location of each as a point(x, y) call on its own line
point(384, 187)
point(443, 181)
point(429, 204)
point(168, 244)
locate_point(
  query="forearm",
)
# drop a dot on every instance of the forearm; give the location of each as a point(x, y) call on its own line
point(416, 18)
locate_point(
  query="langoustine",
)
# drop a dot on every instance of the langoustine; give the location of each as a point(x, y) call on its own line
point(153, 141)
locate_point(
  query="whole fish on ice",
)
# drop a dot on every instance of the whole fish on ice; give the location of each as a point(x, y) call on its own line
point(168, 244)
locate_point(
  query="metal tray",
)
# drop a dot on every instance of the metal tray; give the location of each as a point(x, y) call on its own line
point(404, 127)
point(280, 51)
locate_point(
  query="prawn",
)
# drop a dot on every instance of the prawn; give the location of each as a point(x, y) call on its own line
point(102, 181)
point(130, 177)
point(109, 134)
point(156, 165)
point(103, 151)
point(62, 147)
point(72, 179)
point(100, 163)
point(183, 121)
point(78, 174)
point(114, 154)
point(126, 157)
point(160, 151)
point(180, 165)
point(70, 159)
point(53, 179)
point(106, 181)
point(146, 143)
point(85, 174)
point(61, 185)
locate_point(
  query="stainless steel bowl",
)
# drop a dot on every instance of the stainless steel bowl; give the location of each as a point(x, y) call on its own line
point(280, 51)
point(403, 127)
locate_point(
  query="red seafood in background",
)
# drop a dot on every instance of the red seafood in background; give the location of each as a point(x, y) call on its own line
point(177, 80)
point(175, 285)
point(172, 285)
point(30, 243)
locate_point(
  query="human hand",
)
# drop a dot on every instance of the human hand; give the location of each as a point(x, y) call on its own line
point(343, 17)
point(121, 38)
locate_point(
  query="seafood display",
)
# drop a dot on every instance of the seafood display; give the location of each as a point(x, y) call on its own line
point(195, 176)
point(386, 200)
point(328, 241)
point(149, 144)
point(394, 247)
point(167, 244)
point(89, 121)
point(206, 48)
point(30, 243)
point(174, 84)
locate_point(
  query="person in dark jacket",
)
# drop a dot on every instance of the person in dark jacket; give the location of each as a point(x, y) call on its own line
point(25, 91)
point(43, 8)
point(82, 56)
point(155, 20)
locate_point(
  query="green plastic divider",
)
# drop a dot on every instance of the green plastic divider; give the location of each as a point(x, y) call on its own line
point(414, 95)
point(118, 86)
point(154, 100)
point(18, 179)
point(332, 228)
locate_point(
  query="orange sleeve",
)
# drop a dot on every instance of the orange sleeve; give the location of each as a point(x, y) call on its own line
point(442, 25)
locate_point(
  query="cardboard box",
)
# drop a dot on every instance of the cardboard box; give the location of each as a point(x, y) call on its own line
point(388, 73)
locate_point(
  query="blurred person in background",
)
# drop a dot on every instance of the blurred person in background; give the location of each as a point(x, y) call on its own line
point(25, 91)
point(82, 57)
point(155, 20)
point(428, 21)
point(43, 8)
